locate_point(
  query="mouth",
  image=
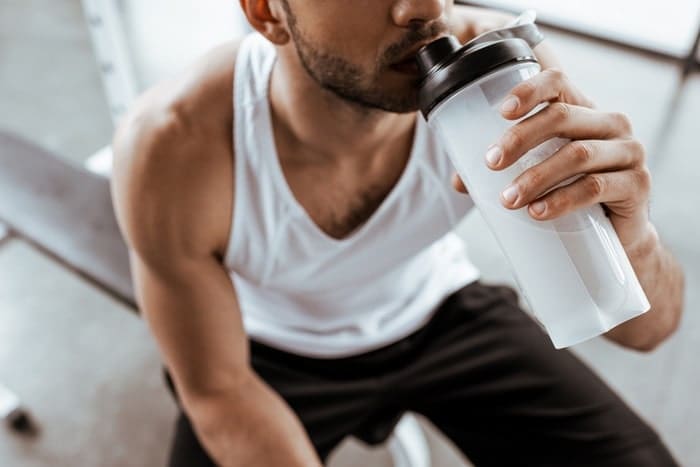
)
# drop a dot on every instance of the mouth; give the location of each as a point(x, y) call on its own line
point(407, 64)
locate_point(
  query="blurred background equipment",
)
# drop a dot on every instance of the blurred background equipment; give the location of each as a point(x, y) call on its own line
point(669, 29)
point(136, 46)
point(12, 412)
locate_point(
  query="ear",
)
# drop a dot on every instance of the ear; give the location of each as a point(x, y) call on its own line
point(267, 19)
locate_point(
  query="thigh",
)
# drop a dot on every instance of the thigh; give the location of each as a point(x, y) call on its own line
point(331, 398)
point(490, 379)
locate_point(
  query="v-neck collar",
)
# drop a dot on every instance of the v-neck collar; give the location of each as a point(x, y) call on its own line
point(271, 152)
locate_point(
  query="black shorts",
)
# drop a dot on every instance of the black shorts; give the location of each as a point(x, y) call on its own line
point(482, 371)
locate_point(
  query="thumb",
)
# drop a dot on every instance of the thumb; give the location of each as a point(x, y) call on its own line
point(458, 184)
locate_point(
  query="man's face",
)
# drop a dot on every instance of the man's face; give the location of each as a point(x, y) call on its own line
point(362, 50)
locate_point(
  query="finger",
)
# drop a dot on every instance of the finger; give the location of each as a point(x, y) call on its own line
point(622, 192)
point(547, 56)
point(458, 184)
point(548, 86)
point(556, 120)
point(577, 157)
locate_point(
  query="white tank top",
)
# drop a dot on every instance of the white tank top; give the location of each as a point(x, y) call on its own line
point(303, 291)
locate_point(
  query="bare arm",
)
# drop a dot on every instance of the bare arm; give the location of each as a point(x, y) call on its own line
point(172, 195)
point(663, 281)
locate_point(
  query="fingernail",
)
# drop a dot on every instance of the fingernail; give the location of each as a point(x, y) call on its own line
point(510, 194)
point(493, 155)
point(510, 104)
point(538, 207)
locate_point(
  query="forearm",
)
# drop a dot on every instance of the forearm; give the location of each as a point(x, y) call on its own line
point(251, 426)
point(663, 281)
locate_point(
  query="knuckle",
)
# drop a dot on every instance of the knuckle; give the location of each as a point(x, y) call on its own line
point(644, 179)
point(560, 112)
point(556, 75)
point(582, 153)
point(622, 122)
point(515, 137)
point(594, 186)
point(636, 151)
point(526, 90)
point(531, 181)
point(587, 102)
point(557, 203)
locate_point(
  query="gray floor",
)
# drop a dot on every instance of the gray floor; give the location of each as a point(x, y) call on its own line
point(88, 369)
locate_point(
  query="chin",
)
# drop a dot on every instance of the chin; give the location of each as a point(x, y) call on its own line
point(404, 109)
point(400, 99)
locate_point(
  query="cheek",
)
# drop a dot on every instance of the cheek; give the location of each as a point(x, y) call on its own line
point(359, 48)
point(354, 30)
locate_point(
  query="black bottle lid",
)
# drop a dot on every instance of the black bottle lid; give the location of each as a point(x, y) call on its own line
point(447, 67)
point(436, 52)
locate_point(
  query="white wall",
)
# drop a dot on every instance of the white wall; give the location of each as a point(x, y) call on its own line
point(667, 26)
point(165, 35)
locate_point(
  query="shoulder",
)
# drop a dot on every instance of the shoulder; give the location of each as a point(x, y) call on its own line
point(172, 180)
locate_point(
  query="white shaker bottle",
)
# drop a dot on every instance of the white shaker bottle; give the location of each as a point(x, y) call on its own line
point(572, 271)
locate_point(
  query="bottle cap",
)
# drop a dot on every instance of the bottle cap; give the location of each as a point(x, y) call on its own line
point(446, 66)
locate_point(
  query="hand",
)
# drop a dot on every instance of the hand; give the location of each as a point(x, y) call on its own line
point(611, 161)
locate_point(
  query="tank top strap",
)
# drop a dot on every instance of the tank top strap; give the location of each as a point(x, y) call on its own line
point(259, 212)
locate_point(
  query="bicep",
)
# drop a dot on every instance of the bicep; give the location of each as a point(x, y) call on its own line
point(192, 311)
point(166, 200)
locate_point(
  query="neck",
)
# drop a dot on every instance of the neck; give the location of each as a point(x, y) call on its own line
point(319, 122)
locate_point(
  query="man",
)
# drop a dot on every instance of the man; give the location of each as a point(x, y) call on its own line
point(288, 215)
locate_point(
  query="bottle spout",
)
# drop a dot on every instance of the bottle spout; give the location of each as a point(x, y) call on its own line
point(436, 52)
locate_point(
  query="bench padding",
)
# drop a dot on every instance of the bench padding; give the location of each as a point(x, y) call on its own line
point(64, 210)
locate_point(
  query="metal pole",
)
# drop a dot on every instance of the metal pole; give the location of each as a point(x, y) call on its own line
point(105, 20)
point(692, 60)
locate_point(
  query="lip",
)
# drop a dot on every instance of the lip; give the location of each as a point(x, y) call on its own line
point(414, 51)
point(407, 64)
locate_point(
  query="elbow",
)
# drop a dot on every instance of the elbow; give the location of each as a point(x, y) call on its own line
point(671, 320)
point(647, 334)
point(648, 331)
point(651, 344)
point(665, 329)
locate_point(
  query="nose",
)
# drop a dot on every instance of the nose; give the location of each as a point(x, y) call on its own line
point(408, 13)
